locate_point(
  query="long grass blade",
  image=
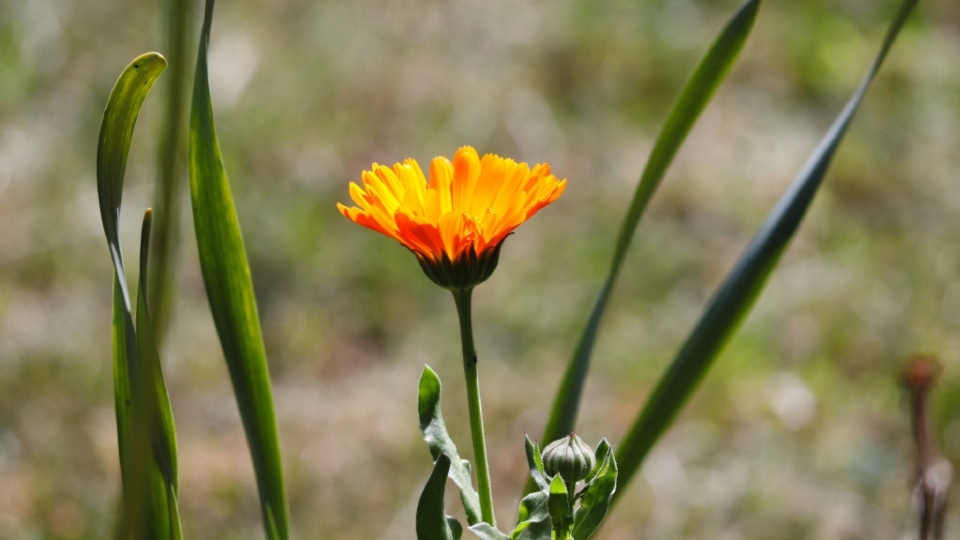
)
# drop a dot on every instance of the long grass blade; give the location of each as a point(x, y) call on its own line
point(144, 421)
point(123, 408)
point(171, 167)
point(226, 275)
point(116, 131)
point(154, 431)
point(738, 292)
point(711, 71)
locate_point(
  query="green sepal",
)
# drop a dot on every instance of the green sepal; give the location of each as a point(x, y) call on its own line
point(466, 272)
point(558, 505)
point(439, 441)
point(535, 462)
point(432, 521)
point(596, 498)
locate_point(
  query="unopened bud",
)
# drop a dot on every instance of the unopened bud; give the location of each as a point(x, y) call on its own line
point(569, 457)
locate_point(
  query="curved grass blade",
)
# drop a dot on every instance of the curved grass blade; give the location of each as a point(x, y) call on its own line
point(226, 275)
point(122, 402)
point(711, 71)
point(116, 131)
point(738, 292)
point(154, 430)
point(152, 384)
point(144, 421)
point(171, 166)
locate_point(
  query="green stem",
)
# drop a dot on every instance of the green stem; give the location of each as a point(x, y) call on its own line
point(462, 298)
point(171, 165)
point(571, 493)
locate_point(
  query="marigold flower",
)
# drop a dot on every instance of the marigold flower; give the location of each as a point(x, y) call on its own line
point(456, 222)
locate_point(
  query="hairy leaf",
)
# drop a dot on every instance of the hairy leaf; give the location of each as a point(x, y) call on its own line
point(598, 495)
point(440, 443)
point(431, 518)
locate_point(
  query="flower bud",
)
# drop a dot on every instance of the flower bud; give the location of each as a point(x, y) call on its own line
point(569, 457)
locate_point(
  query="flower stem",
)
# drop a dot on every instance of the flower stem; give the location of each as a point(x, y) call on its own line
point(571, 492)
point(462, 299)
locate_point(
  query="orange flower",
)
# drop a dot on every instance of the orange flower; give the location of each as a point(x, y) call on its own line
point(456, 222)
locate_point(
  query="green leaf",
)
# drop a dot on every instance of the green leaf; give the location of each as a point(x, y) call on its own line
point(226, 275)
point(152, 386)
point(738, 292)
point(558, 504)
point(146, 435)
point(123, 407)
point(456, 530)
point(116, 131)
point(536, 530)
point(486, 531)
point(431, 518)
point(535, 462)
point(171, 167)
point(711, 71)
point(439, 441)
point(534, 514)
point(153, 416)
point(145, 431)
point(597, 496)
point(533, 507)
point(600, 455)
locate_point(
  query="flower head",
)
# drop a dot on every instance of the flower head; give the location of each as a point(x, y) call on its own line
point(456, 222)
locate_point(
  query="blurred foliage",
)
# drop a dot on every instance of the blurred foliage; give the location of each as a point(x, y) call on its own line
point(799, 432)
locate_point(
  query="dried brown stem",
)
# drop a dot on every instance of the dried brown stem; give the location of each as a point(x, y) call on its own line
point(934, 473)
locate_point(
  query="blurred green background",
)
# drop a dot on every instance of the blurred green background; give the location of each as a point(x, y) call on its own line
point(800, 430)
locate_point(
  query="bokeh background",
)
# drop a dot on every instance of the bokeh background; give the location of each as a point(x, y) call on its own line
point(799, 431)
